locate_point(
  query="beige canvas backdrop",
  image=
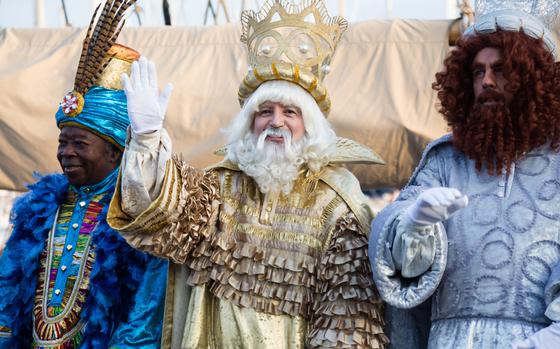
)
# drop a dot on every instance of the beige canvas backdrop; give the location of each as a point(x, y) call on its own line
point(379, 85)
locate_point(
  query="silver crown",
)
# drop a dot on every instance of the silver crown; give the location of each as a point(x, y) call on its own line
point(537, 18)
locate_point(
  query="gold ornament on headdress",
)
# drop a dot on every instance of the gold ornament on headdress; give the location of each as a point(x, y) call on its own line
point(101, 60)
point(293, 43)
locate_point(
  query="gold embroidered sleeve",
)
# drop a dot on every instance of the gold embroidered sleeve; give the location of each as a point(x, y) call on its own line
point(178, 219)
point(348, 312)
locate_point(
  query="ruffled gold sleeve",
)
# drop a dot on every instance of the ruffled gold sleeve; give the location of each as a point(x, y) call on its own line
point(178, 219)
point(348, 312)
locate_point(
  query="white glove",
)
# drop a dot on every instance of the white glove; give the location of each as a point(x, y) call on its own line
point(146, 106)
point(547, 338)
point(435, 205)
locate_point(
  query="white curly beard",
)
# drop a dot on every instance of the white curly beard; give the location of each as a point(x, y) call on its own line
point(273, 166)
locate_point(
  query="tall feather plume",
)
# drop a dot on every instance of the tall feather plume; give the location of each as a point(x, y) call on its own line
point(101, 35)
point(108, 36)
point(92, 41)
point(83, 56)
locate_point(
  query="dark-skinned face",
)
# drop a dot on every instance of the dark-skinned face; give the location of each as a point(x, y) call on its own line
point(84, 157)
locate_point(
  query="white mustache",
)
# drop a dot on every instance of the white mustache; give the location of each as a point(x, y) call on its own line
point(275, 132)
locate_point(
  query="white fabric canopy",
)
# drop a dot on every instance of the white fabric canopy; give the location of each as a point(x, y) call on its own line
point(380, 86)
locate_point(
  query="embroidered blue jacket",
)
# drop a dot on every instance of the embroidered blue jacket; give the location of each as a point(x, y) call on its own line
point(125, 299)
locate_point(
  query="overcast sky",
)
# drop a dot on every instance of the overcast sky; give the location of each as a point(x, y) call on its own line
point(22, 13)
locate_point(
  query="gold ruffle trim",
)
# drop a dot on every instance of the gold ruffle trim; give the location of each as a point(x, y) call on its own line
point(264, 279)
point(198, 202)
point(331, 288)
point(335, 291)
point(348, 312)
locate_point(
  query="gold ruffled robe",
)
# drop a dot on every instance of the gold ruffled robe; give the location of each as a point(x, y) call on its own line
point(264, 271)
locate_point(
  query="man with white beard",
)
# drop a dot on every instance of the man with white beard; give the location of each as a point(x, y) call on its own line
point(273, 149)
point(272, 241)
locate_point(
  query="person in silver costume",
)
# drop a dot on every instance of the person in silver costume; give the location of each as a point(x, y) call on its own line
point(468, 256)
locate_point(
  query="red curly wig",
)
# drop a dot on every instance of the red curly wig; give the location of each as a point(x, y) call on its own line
point(498, 136)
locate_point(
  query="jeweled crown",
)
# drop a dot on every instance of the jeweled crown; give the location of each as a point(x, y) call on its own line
point(546, 11)
point(293, 42)
point(301, 34)
point(537, 18)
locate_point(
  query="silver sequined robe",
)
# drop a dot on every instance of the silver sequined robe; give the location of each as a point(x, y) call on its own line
point(492, 271)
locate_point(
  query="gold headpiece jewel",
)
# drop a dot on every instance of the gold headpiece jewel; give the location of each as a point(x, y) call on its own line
point(293, 43)
point(96, 66)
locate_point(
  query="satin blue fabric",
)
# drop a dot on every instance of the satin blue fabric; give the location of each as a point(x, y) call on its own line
point(70, 235)
point(105, 113)
point(144, 325)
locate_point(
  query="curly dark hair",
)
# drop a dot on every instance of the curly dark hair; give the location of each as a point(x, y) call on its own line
point(496, 138)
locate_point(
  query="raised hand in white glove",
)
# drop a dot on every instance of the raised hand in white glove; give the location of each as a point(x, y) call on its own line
point(547, 338)
point(146, 106)
point(435, 205)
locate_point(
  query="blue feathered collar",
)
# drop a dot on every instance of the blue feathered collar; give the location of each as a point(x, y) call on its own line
point(116, 272)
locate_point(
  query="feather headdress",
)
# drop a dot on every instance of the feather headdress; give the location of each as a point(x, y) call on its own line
point(97, 102)
point(101, 35)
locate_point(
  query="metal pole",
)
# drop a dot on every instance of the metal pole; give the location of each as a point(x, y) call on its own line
point(65, 13)
point(389, 6)
point(166, 14)
point(137, 10)
point(39, 14)
point(223, 4)
point(209, 7)
point(342, 8)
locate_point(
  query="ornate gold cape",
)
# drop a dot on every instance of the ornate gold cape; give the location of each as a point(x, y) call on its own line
point(274, 271)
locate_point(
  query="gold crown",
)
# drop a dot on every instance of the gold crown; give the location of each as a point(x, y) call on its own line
point(118, 60)
point(293, 43)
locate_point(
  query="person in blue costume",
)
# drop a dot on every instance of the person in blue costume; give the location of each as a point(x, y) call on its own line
point(475, 234)
point(67, 280)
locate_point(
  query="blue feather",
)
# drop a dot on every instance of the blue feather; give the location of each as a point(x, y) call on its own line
point(117, 271)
